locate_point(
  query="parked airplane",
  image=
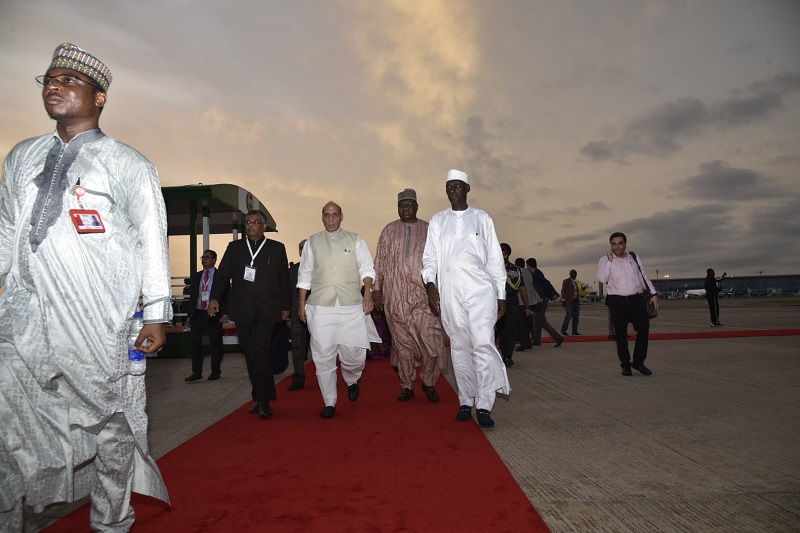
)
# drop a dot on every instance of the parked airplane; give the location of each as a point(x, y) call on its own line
point(695, 293)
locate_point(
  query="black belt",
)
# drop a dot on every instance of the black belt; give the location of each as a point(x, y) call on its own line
point(637, 295)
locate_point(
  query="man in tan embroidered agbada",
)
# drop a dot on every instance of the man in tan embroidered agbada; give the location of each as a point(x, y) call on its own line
point(417, 335)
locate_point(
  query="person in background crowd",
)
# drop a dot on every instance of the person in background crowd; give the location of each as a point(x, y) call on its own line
point(712, 286)
point(524, 318)
point(570, 299)
point(299, 330)
point(507, 325)
point(626, 280)
point(542, 292)
point(200, 321)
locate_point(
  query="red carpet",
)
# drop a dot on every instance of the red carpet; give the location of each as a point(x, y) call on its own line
point(716, 334)
point(379, 465)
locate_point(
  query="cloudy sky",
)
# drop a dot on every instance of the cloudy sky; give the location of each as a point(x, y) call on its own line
point(676, 122)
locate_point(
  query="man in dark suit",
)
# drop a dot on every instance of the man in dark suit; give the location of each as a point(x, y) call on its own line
point(200, 321)
point(258, 272)
point(712, 295)
point(570, 299)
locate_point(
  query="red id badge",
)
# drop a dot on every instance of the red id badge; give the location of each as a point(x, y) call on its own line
point(87, 221)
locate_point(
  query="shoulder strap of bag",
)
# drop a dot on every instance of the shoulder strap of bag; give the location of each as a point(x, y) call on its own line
point(636, 260)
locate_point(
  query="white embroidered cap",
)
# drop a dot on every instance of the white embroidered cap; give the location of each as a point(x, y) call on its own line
point(457, 175)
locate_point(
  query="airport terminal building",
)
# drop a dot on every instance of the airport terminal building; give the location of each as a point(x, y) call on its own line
point(772, 285)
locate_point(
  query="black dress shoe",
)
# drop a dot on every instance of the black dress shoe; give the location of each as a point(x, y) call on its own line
point(196, 376)
point(484, 420)
point(558, 342)
point(295, 386)
point(641, 368)
point(564, 333)
point(353, 391)
point(464, 413)
point(264, 410)
point(521, 349)
point(508, 362)
point(328, 411)
point(406, 395)
point(214, 376)
point(431, 393)
point(537, 343)
point(254, 408)
point(626, 370)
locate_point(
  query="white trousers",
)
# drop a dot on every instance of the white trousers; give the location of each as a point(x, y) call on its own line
point(111, 509)
point(352, 359)
point(468, 319)
point(11, 520)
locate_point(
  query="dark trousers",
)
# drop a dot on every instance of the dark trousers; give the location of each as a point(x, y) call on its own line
point(573, 313)
point(540, 322)
point(255, 340)
point(535, 324)
point(201, 323)
point(507, 328)
point(299, 332)
point(713, 309)
point(523, 328)
point(630, 310)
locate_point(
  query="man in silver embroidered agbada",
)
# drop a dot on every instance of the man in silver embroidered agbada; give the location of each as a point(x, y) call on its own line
point(72, 419)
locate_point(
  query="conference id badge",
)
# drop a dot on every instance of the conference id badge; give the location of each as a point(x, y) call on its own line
point(249, 273)
point(87, 221)
point(204, 296)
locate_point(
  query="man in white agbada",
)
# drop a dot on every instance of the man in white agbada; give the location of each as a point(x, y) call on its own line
point(72, 418)
point(464, 273)
point(333, 266)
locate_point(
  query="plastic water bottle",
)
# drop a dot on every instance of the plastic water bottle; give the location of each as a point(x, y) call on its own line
point(137, 362)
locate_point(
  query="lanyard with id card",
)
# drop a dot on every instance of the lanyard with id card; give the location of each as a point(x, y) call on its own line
point(205, 294)
point(85, 220)
point(250, 271)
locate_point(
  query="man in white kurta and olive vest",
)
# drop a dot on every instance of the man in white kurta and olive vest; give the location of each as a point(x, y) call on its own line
point(83, 232)
point(333, 266)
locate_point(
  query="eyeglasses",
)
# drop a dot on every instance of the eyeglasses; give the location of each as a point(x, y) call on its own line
point(63, 80)
point(253, 223)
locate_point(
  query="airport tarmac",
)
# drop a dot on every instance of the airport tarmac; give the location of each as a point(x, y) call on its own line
point(709, 442)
